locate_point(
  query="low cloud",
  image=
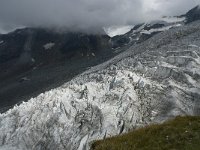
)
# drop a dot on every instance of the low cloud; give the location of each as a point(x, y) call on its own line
point(87, 15)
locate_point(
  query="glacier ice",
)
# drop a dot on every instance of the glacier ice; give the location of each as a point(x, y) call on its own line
point(150, 82)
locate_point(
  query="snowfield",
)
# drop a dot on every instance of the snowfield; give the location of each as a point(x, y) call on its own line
point(150, 82)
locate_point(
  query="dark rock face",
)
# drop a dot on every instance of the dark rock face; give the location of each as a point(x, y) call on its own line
point(34, 60)
point(193, 14)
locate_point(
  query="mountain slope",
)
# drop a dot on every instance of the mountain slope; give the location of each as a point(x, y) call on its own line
point(144, 31)
point(35, 60)
point(150, 82)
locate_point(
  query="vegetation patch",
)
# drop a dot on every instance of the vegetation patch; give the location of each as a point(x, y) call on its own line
point(181, 133)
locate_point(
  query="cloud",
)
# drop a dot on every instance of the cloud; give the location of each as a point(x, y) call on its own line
point(87, 14)
point(170, 7)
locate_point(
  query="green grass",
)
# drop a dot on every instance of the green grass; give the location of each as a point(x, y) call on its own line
point(182, 133)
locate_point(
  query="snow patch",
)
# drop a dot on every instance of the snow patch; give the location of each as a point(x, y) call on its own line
point(159, 29)
point(49, 46)
point(192, 45)
point(32, 60)
point(139, 29)
point(117, 30)
point(155, 30)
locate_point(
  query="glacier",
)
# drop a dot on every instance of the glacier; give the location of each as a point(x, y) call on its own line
point(148, 83)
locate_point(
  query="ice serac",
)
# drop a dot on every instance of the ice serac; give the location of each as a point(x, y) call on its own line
point(150, 82)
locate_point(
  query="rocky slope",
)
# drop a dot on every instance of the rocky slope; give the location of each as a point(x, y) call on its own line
point(150, 82)
point(35, 60)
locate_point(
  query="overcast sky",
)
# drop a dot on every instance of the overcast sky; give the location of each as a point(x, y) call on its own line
point(88, 14)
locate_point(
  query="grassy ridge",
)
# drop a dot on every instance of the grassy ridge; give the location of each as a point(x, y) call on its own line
point(182, 133)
